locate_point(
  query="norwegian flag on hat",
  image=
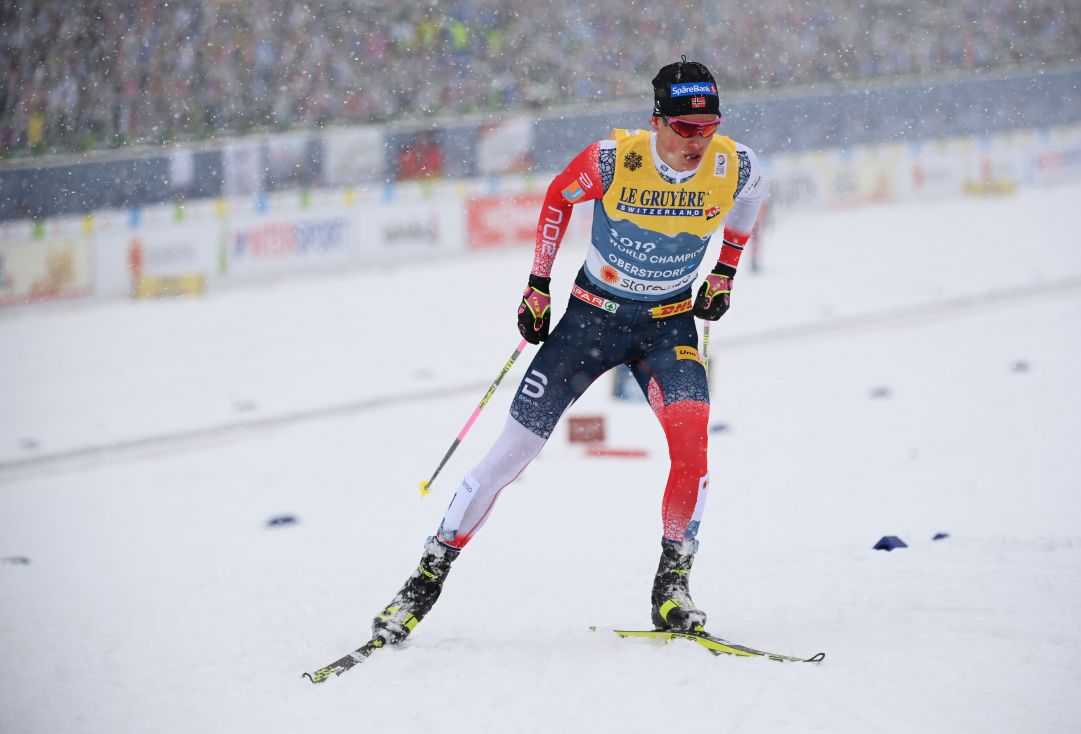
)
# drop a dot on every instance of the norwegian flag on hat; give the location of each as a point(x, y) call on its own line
point(698, 102)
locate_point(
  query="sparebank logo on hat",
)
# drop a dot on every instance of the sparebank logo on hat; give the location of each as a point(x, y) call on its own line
point(688, 89)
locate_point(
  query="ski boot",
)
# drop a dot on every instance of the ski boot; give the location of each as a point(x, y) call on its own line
point(417, 597)
point(673, 608)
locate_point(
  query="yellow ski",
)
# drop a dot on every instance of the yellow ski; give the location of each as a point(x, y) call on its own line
point(718, 646)
point(340, 666)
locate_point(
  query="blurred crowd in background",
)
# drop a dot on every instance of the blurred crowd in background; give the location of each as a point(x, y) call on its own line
point(86, 75)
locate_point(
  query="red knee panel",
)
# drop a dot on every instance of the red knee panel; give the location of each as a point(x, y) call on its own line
point(685, 426)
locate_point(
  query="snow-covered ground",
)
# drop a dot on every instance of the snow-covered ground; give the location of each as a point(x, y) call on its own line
point(902, 370)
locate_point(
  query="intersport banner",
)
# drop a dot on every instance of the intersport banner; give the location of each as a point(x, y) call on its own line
point(265, 245)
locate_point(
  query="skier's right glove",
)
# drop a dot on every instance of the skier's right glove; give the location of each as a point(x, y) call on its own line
point(535, 309)
point(715, 294)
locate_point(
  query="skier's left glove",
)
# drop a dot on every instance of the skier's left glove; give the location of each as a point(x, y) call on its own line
point(535, 309)
point(715, 294)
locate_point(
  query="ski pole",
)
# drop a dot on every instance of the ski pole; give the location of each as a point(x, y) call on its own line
point(469, 423)
point(705, 346)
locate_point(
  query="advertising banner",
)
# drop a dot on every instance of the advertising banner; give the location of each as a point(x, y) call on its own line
point(177, 257)
point(287, 164)
point(243, 161)
point(44, 270)
point(860, 176)
point(1057, 156)
point(176, 249)
point(18, 230)
point(405, 229)
point(353, 156)
point(181, 169)
point(502, 220)
point(991, 166)
point(167, 286)
point(936, 170)
point(505, 147)
point(511, 220)
point(795, 182)
point(266, 245)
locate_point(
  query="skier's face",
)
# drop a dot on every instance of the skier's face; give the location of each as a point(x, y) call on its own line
point(682, 154)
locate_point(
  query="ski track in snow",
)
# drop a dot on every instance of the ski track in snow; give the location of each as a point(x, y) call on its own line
point(899, 370)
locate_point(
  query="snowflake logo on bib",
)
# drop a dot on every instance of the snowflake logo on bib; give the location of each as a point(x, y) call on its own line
point(632, 161)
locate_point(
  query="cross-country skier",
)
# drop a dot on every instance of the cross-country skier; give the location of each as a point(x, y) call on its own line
point(660, 195)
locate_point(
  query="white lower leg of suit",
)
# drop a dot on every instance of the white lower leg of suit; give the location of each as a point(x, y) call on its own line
point(505, 460)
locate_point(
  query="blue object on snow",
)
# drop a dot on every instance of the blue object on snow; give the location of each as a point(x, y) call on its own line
point(940, 536)
point(281, 520)
point(624, 386)
point(889, 542)
point(17, 560)
point(719, 428)
point(1020, 366)
point(880, 393)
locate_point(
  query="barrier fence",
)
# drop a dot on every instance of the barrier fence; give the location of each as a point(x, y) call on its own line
point(198, 246)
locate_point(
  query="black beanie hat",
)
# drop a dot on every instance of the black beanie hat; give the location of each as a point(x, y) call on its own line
point(685, 88)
